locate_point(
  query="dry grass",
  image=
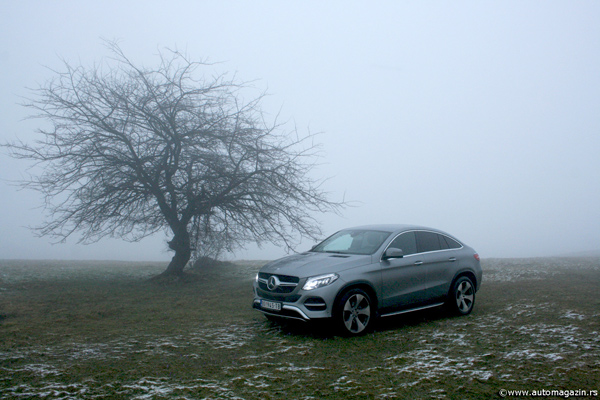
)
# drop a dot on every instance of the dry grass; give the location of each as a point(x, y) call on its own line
point(77, 330)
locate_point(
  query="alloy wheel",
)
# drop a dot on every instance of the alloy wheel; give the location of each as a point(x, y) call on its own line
point(356, 313)
point(464, 296)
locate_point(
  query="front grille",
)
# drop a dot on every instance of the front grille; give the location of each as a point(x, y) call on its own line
point(282, 278)
point(286, 283)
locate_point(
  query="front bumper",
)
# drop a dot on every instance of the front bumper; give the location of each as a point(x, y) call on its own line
point(299, 304)
point(287, 311)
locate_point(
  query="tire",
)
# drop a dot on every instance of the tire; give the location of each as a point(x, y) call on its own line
point(354, 313)
point(462, 297)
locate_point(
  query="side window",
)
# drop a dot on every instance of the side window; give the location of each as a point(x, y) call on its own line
point(443, 244)
point(452, 244)
point(406, 242)
point(427, 241)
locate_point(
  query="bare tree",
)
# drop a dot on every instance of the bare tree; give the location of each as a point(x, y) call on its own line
point(133, 151)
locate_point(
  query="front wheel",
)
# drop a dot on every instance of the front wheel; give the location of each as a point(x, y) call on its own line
point(354, 313)
point(462, 297)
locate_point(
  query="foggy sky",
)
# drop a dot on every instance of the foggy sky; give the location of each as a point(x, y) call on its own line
point(478, 118)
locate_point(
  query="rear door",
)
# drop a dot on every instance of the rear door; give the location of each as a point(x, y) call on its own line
point(440, 275)
point(440, 262)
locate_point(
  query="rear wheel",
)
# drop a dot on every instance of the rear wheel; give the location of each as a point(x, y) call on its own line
point(462, 297)
point(354, 313)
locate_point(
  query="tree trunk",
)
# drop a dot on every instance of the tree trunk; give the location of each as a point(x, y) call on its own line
point(183, 252)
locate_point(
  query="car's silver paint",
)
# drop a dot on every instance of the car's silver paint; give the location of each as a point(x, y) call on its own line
point(415, 281)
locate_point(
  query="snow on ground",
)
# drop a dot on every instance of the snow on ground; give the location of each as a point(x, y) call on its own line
point(490, 346)
point(515, 269)
point(545, 338)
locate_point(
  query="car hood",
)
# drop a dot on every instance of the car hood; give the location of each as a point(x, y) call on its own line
point(312, 263)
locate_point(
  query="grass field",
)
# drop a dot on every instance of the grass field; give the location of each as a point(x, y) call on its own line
point(104, 330)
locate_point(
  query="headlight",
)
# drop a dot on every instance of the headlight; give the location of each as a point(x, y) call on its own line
point(320, 281)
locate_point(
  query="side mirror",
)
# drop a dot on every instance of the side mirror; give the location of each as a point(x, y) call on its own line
point(392, 252)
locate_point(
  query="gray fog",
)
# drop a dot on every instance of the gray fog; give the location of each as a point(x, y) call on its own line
point(478, 118)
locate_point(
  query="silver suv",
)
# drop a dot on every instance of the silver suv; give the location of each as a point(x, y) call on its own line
point(362, 273)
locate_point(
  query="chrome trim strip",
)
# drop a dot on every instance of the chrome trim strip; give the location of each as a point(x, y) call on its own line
point(462, 246)
point(285, 307)
point(261, 280)
point(294, 308)
point(412, 309)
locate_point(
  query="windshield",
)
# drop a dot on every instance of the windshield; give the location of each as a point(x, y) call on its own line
point(352, 242)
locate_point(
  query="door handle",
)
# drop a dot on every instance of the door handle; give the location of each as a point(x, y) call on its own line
point(418, 262)
point(452, 259)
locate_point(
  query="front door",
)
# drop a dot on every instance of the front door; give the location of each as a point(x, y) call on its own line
point(404, 280)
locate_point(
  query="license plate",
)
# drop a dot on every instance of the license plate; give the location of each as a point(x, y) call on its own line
point(270, 305)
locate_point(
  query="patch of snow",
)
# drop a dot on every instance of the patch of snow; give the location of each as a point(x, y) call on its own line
point(573, 315)
point(42, 370)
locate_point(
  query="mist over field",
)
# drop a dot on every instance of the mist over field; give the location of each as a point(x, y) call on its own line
point(480, 119)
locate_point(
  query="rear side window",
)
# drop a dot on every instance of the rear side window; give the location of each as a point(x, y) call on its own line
point(427, 241)
point(405, 242)
point(449, 243)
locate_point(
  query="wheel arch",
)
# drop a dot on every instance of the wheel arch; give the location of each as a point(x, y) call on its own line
point(468, 274)
point(457, 305)
point(364, 285)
